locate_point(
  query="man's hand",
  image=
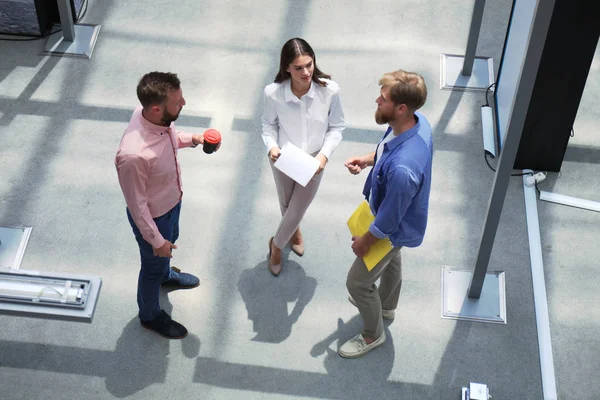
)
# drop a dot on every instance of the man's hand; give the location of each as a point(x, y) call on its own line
point(165, 250)
point(362, 244)
point(274, 153)
point(356, 164)
point(197, 139)
point(322, 162)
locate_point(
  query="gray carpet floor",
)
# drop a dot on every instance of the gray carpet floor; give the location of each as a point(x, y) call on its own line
point(253, 336)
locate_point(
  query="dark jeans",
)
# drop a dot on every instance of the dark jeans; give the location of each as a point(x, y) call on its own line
point(154, 270)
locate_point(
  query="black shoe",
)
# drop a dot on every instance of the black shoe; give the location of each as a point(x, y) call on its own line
point(182, 280)
point(165, 326)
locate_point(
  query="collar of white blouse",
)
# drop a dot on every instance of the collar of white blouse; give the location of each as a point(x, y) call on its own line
point(290, 96)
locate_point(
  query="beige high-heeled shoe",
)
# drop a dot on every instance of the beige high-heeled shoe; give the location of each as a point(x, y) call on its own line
point(275, 269)
point(298, 248)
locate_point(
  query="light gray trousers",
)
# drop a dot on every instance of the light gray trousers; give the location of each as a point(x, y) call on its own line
point(370, 299)
point(294, 200)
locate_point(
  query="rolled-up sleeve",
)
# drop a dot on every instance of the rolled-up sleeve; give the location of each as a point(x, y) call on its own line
point(336, 125)
point(401, 187)
point(270, 123)
point(132, 171)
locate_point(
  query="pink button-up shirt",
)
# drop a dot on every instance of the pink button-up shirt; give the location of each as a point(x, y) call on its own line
point(149, 173)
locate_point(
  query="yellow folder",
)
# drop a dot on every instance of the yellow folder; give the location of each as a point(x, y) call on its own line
point(359, 223)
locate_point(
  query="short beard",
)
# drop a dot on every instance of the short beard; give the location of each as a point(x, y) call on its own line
point(169, 118)
point(381, 118)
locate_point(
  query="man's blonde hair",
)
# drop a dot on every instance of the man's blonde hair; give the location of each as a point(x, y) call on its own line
point(405, 88)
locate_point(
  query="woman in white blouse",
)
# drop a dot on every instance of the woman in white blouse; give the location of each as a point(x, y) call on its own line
point(301, 107)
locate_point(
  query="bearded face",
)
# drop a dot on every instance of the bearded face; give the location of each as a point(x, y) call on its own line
point(173, 106)
point(384, 116)
point(385, 107)
point(168, 117)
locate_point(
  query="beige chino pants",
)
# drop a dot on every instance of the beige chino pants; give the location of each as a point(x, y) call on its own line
point(370, 299)
point(294, 200)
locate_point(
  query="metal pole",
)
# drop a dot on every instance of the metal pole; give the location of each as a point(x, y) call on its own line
point(66, 20)
point(540, 299)
point(473, 37)
point(516, 122)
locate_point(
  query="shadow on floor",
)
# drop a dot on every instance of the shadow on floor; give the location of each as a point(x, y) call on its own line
point(267, 298)
point(361, 378)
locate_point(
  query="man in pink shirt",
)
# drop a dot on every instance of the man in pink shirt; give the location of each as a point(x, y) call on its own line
point(150, 178)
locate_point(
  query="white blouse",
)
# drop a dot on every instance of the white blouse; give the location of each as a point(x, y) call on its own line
point(313, 123)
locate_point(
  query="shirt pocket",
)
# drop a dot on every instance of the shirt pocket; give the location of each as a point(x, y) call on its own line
point(318, 116)
point(156, 181)
point(163, 173)
point(379, 175)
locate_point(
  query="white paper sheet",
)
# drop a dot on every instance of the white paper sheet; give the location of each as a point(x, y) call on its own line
point(296, 164)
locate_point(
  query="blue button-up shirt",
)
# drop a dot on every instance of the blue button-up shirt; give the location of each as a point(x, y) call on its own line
point(398, 186)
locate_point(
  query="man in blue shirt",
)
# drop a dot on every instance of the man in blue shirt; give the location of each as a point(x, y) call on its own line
point(397, 189)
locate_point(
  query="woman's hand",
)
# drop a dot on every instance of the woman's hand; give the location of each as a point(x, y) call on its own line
point(274, 153)
point(322, 162)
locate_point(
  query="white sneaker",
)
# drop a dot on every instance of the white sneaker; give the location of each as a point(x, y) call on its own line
point(385, 314)
point(357, 346)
